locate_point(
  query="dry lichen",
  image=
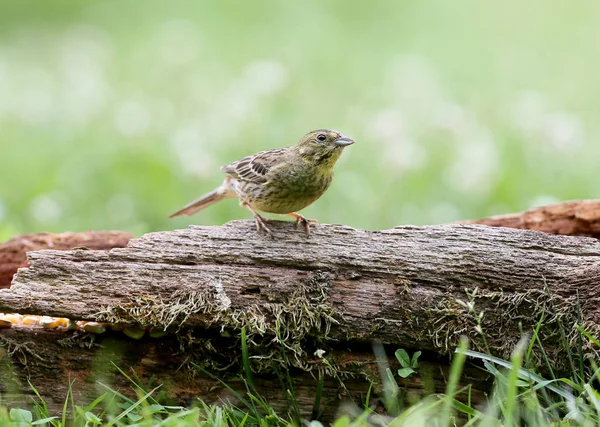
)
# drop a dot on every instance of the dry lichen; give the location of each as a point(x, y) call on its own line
point(298, 323)
point(151, 310)
point(20, 352)
point(505, 315)
point(286, 332)
point(79, 339)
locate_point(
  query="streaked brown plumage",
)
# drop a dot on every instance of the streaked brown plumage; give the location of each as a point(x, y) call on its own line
point(282, 180)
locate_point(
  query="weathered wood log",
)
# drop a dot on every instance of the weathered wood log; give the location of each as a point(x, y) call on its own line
point(391, 286)
point(338, 290)
point(574, 218)
point(335, 290)
point(12, 252)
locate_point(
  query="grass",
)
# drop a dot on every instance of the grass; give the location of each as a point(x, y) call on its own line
point(112, 117)
point(520, 396)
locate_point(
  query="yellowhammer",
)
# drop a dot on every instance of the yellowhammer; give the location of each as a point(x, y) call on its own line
point(282, 181)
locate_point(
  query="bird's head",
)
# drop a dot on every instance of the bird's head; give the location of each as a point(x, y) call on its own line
point(322, 146)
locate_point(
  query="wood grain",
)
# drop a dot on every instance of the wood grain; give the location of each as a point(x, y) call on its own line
point(390, 286)
point(12, 252)
point(573, 218)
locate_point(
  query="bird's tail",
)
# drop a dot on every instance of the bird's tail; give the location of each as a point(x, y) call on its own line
point(208, 199)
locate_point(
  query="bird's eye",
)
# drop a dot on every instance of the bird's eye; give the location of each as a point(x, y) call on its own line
point(321, 137)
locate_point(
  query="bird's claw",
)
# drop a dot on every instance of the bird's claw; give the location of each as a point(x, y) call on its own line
point(305, 222)
point(261, 224)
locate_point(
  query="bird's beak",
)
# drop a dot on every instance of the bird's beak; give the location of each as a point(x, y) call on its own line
point(343, 141)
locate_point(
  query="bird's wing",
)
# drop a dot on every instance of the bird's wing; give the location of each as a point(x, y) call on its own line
point(255, 168)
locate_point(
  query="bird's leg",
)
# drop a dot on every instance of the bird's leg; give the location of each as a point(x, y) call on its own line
point(300, 219)
point(260, 221)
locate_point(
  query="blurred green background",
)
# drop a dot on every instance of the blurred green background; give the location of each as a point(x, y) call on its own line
point(113, 114)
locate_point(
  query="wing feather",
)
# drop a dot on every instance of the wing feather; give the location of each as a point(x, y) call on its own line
point(255, 168)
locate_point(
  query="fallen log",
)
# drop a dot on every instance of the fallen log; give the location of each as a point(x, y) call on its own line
point(12, 252)
point(348, 283)
point(336, 292)
point(574, 218)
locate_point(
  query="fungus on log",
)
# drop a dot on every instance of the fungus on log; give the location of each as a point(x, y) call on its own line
point(336, 291)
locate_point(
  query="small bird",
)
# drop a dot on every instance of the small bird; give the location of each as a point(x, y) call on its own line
point(282, 180)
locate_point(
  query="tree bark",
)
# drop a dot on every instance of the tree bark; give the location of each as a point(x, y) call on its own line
point(391, 286)
point(12, 252)
point(574, 218)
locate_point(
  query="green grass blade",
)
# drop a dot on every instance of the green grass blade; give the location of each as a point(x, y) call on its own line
point(588, 335)
point(523, 374)
point(233, 392)
point(580, 355)
point(533, 339)
point(132, 407)
point(246, 360)
point(368, 397)
point(458, 362)
point(64, 411)
point(512, 387)
point(316, 409)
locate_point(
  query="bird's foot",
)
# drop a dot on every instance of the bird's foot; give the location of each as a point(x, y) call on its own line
point(300, 219)
point(261, 224)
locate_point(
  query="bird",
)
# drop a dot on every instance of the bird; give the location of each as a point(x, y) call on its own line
point(281, 180)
